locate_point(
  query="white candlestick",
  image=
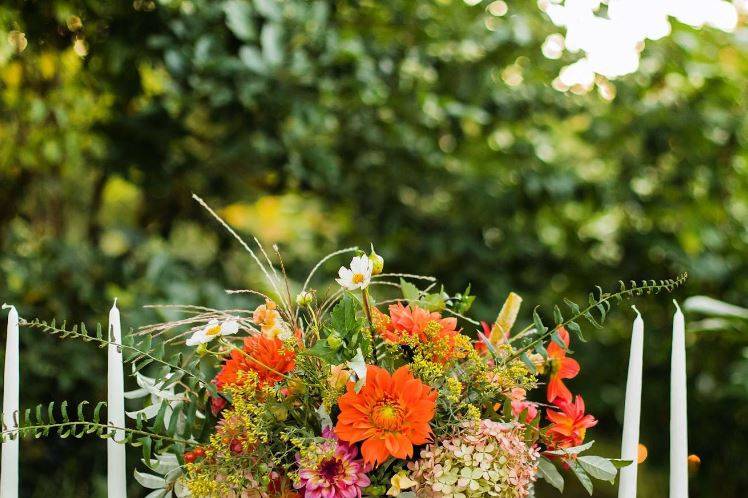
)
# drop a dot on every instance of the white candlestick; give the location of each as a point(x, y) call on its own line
point(116, 472)
point(9, 469)
point(632, 409)
point(678, 410)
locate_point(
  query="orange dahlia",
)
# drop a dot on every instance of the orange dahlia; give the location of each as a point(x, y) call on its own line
point(390, 414)
point(434, 336)
point(569, 423)
point(561, 368)
point(412, 321)
point(269, 358)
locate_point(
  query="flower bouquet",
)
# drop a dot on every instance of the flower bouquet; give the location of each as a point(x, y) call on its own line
point(373, 387)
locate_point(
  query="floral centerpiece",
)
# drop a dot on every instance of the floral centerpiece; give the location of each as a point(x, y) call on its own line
point(374, 387)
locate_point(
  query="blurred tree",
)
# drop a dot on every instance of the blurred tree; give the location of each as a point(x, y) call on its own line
point(429, 128)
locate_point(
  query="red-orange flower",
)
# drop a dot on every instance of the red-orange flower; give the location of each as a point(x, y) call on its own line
point(390, 414)
point(269, 358)
point(413, 320)
point(414, 326)
point(561, 368)
point(569, 423)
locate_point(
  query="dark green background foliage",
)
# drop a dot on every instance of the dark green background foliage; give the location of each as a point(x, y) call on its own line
point(318, 124)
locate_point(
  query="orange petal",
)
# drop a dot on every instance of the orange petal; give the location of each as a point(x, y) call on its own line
point(374, 451)
point(569, 368)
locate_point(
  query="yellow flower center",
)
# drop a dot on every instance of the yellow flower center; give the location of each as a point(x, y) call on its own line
point(554, 365)
point(214, 330)
point(387, 415)
point(358, 278)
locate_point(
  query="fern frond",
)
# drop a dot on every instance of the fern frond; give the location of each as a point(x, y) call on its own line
point(140, 354)
point(595, 313)
point(42, 421)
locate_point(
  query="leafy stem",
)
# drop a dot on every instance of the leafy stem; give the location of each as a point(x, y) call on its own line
point(147, 354)
point(601, 304)
point(367, 310)
point(88, 427)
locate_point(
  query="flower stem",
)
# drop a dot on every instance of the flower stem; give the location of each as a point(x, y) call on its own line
point(367, 310)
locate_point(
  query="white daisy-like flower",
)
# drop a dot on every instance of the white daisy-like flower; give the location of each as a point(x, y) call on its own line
point(213, 329)
point(358, 276)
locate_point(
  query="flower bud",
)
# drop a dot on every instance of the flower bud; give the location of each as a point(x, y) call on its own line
point(279, 412)
point(202, 349)
point(376, 490)
point(217, 404)
point(377, 262)
point(334, 341)
point(304, 298)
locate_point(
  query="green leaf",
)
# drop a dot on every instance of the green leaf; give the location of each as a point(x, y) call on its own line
point(528, 362)
point(538, 323)
point(465, 301)
point(550, 473)
point(557, 316)
point(573, 450)
point(343, 317)
point(322, 350)
point(557, 339)
point(619, 463)
point(410, 291)
point(581, 475)
point(271, 39)
point(239, 19)
point(574, 307)
point(269, 8)
point(574, 327)
point(433, 302)
point(598, 467)
point(147, 443)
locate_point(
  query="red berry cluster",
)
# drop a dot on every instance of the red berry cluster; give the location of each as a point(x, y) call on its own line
point(193, 455)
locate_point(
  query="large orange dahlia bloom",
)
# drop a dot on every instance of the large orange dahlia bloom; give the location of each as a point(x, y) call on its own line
point(390, 414)
point(269, 358)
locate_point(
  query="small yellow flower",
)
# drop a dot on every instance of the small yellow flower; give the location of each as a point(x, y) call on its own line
point(400, 482)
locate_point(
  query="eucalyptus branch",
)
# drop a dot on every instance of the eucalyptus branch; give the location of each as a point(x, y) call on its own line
point(600, 304)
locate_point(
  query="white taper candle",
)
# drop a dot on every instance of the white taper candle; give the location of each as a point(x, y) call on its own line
point(632, 410)
point(116, 471)
point(678, 410)
point(9, 469)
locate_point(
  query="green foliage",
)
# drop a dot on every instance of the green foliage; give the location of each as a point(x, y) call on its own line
point(584, 467)
point(41, 422)
point(344, 335)
point(595, 313)
point(369, 121)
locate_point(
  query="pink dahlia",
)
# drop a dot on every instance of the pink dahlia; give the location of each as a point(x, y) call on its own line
point(332, 470)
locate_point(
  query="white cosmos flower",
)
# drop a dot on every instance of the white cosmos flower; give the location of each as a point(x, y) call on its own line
point(213, 329)
point(358, 276)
